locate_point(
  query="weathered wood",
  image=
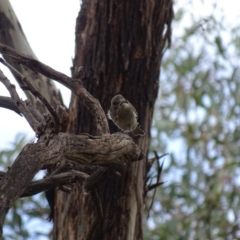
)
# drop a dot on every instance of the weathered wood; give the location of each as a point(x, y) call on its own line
point(105, 150)
point(120, 45)
point(75, 85)
point(19, 103)
point(43, 126)
point(28, 86)
point(8, 103)
point(51, 182)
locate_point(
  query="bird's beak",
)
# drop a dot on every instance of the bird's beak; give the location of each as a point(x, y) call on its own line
point(122, 102)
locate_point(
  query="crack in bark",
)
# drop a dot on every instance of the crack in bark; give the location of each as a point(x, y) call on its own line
point(53, 146)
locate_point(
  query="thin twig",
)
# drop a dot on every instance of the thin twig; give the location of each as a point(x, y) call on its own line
point(20, 104)
point(153, 186)
point(158, 183)
point(35, 93)
point(8, 103)
point(74, 84)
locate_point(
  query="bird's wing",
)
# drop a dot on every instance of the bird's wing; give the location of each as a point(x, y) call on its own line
point(134, 111)
point(108, 115)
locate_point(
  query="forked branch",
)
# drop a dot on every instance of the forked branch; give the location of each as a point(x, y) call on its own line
point(75, 85)
point(53, 146)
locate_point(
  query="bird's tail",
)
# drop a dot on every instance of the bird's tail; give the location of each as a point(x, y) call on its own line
point(138, 131)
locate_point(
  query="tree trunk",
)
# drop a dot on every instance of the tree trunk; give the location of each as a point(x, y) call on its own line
point(120, 45)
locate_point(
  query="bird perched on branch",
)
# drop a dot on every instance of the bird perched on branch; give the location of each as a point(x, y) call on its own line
point(124, 115)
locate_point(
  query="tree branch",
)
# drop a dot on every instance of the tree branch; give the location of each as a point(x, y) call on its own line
point(53, 181)
point(35, 93)
point(8, 103)
point(107, 150)
point(75, 85)
point(20, 104)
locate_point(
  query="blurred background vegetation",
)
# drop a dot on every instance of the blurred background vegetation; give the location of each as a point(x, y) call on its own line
point(196, 121)
point(27, 219)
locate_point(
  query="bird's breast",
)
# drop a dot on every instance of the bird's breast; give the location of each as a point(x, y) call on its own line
point(126, 117)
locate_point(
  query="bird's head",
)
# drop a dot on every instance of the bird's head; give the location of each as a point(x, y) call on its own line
point(116, 100)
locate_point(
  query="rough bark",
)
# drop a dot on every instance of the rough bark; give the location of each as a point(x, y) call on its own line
point(120, 46)
point(110, 151)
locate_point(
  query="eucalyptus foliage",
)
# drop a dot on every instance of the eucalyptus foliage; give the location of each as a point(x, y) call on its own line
point(197, 121)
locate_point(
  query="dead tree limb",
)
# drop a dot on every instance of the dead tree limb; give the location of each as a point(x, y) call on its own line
point(107, 150)
point(54, 181)
point(53, 147)
point(75, 85)
point(8, 103)
point(35, 92)
point(19, 103)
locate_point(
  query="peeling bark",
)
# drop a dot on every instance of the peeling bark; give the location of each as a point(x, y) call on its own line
point(55, 147)
point(115, 149)
point(120, 45)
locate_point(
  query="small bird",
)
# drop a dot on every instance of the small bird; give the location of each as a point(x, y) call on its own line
point(124, 115)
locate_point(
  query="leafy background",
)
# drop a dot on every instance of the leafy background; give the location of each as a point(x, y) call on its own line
point(196, 121)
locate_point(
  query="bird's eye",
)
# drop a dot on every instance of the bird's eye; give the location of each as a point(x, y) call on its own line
point(115, 103)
